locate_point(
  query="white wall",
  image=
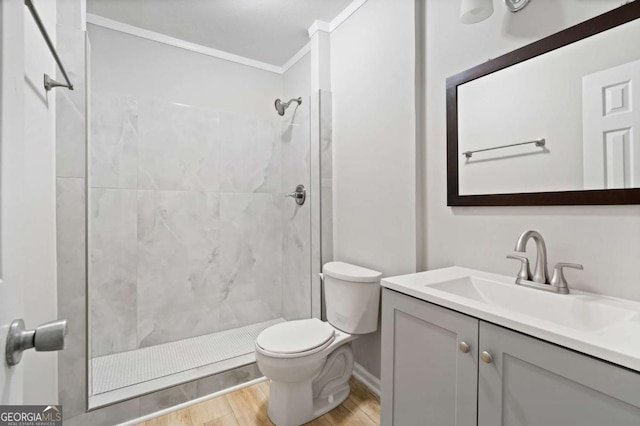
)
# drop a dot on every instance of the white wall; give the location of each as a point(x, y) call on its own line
point(372, 78)
point(127, 64)
point(605, 239)
point(296, 81)
point(40, 290)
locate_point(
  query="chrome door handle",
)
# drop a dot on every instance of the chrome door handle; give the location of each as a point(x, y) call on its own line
point(47, 337)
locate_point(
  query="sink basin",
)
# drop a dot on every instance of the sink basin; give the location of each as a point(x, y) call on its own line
point(601, 326)
point(577, 311)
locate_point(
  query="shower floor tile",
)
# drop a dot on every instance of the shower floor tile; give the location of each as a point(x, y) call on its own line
point(121, 370)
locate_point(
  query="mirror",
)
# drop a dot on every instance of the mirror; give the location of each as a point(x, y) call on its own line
point(555, 122)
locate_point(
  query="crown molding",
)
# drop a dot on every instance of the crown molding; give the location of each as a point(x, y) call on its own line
point(101, 21)
point(317, 25)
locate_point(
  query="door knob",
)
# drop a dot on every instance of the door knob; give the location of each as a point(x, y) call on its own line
point(486, 357)
point(47, 337)
point(464, 347)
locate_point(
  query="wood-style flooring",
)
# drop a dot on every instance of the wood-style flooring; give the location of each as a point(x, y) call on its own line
point(248, 406)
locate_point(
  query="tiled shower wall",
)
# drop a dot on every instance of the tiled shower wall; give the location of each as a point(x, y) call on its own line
point(71, 235)
point(188, 222)
point(70, 207)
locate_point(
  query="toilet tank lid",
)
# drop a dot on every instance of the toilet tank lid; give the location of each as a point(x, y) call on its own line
point(347, 272)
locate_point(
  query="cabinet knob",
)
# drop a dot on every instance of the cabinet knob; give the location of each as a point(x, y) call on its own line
point(464, 347)
point(486, 357)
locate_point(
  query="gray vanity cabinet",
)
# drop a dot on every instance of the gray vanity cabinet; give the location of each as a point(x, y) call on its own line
point(532, 382)
point(426, 378)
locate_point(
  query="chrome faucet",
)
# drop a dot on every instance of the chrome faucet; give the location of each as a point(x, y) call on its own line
point(540, 277)
point(540, 271)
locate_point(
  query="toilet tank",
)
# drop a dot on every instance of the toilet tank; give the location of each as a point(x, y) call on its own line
point(352, 297)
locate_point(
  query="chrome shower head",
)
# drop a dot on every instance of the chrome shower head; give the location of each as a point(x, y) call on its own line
point(281, 107)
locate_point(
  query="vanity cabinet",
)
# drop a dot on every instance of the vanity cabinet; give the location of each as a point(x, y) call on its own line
point(520, 380)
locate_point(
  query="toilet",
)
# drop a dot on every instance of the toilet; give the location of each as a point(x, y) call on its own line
point(310, 361)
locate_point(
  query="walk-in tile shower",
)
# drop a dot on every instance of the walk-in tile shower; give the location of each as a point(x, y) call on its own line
point(194, 247)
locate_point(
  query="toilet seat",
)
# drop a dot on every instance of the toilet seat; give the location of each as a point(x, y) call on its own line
point(294, 339)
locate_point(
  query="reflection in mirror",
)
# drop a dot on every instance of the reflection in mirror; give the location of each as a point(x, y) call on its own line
point(578, 98)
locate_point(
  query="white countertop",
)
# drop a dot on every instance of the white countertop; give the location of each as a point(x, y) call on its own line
point(617, 342)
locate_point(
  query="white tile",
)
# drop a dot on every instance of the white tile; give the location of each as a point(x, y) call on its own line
point(178, 147)
point(126, 369)
point(113, 270)
point(71, 259)
point(70, 13)
point(326, 135)
point(296, 147)
point(251, 255)
point(179, 288)
point(296, 268)
point(114, 141)
point(70, 106)
point(296, 169)
point(250, 156)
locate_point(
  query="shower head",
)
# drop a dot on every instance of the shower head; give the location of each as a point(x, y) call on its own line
point(281, 107)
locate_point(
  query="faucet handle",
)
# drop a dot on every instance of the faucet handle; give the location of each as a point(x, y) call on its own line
point(558, 280)
point(525, 271)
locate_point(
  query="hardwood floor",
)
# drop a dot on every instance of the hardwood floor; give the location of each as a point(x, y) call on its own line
point(248, 406)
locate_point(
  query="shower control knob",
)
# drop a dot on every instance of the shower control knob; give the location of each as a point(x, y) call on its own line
point(47, 337)
point(300, 194)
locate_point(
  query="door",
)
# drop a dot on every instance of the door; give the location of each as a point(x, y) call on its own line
point(611, 127)
point(11, 170)
point(530, 382)
point(429, 364)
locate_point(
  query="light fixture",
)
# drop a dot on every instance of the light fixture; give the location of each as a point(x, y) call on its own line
point(472, 11)
point(515, 5)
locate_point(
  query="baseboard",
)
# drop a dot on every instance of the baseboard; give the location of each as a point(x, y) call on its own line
point(367, 379)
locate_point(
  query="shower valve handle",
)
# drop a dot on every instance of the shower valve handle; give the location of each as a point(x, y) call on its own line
point(300, 194)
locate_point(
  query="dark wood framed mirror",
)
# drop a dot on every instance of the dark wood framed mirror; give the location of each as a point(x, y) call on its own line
point(556, 122)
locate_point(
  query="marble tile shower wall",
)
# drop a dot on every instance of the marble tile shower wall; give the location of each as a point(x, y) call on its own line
point(297, 257)
point(70, 209)
point(188, 223)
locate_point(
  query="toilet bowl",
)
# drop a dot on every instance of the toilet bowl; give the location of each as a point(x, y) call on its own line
point(310, 361)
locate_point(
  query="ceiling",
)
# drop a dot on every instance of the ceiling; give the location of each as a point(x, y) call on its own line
point(270, 31)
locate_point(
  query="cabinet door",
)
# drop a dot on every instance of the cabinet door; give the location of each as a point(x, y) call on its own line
point(530, 382)
point(426, 379)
